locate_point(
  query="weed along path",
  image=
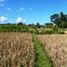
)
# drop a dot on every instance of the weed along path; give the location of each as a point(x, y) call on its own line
point(42, 59)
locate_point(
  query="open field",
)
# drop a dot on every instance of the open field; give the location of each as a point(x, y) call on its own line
point(16, 50)
point(33, 33)
point(56, 46)
point(28, 50)
point(19, 50)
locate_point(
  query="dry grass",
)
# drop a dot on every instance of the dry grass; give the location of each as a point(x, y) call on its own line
point(16, 50)
point(56, 46)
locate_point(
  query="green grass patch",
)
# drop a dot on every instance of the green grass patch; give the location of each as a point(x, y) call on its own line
point(42, 59)
point(14, 28)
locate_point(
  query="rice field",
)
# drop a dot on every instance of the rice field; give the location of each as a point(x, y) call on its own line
point(56, 47)
point(16, 50)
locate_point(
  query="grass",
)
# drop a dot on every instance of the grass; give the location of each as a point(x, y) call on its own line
point(27, 28)
point(42, 59)
point(14, 28)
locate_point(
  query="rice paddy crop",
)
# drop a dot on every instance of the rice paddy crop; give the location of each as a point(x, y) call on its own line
point(56, 46)
point(16, 50)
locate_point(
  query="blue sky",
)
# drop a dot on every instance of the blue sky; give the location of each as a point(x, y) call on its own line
point(30, 11)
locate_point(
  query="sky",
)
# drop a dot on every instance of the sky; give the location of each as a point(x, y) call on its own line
point(30, 11)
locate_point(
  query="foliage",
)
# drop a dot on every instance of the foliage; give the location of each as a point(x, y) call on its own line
point(48, 25)
point(13, 28)
point(38, 25)
point(59, 19)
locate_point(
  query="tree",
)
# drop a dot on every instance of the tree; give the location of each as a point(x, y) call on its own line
point(62, 17)
point(49, 25)
point(20, 23)
point(59, 19)
point(38, 25)
point(63, 20)
point(55, 18)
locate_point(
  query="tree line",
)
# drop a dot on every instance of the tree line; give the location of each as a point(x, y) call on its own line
point(59, 20)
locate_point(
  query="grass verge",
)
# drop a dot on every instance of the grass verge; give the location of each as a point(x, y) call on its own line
point(42, 59)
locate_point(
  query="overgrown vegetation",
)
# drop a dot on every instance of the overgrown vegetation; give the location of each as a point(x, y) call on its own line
point(31, 29)
point(42, 59)
point(13, 28)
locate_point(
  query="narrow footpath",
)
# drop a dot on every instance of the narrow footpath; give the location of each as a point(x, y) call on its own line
point(41, 59)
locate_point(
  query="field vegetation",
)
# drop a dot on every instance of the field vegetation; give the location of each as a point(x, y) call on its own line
point(41, 56)
point(16, 50)
point(56, 47)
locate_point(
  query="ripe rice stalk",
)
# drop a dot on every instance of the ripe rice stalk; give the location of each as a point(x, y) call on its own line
point(16, 50)
point(56, 46)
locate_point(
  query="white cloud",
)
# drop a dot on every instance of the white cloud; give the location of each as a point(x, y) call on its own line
point(9, 9)
point(3, 19)
point(19, 19)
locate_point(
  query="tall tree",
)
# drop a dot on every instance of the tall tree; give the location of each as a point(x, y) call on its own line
point(55, 18)
point(38, 25)
point(59, 19)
